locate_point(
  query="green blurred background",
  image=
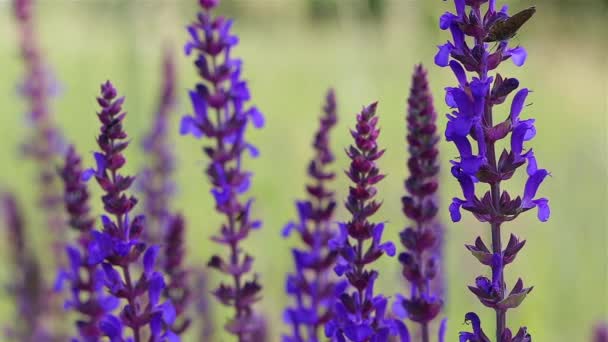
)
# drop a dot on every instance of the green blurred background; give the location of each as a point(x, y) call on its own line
point(293, 51)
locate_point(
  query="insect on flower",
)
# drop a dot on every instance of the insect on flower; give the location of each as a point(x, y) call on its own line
point(506, 29)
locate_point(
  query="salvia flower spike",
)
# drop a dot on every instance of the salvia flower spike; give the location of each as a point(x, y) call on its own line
point(117, 247)
point(472, 122)
point(221, 116)
point(177, 290)
point(85, 280)
point(27, 288)
point(155, 180)
point(359, 313)
point(421, 260)
point(44, 143)
point(311, 286)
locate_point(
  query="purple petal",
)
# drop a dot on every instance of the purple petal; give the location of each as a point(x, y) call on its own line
point(446, 20)
point(397, 307)
point(253, 151)
point(459, 4)
point(518, 104)
point(87, 174)
point(257, 118)
point(443, 55)
point(150, 259)
point(199, 105)
point(388, 248)
point(189, 126)
point(458, 70)
point(111, 327)
point(157, 285)
point(532, 166)
point(286, 231)
point(455, 209)
point(531, 187)
point(100, 160)
point(543, 209)
point(518, 55)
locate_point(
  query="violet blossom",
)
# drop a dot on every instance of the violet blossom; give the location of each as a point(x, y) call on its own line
point(312, 286)
point(221, 116)
point(472, 121)
point(85, 280)
point(421, 261)
point(359, 313)
point(117, 248)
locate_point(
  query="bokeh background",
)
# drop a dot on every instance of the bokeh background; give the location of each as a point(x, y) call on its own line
point(366, 49)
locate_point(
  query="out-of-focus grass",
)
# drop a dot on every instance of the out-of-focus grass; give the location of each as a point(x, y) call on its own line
point(290, 61)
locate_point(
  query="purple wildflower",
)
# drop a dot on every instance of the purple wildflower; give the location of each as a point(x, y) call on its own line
point(472, 121)
point(221, 115)
point(421, 260)
point(360, 315)
point(311, 285)
point(27, 286)
point(117, 248)
point(43, 144)
point(85, 279)
point(177, 290)
point(155, 180)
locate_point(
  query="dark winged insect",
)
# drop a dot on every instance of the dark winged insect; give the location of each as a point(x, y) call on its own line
point(506, 29)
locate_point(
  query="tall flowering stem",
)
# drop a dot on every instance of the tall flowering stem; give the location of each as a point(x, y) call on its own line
point(43, 144)
point(27, 286)
point(118, 247)
point(359, 313)
point(473, 121)
point(155, 180)
point(312, 286)
point(177, 290)
point(221, 116)
point(85, 279)
point(421, 260)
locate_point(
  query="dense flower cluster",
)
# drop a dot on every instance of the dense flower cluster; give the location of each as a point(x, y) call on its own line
point(473, 120)
point(155, 180)
point(311, 285)
point(360, 315)
point(27, 286)
point(117, 248)
point(420, 260)
point(222, 116)
point(85, 279)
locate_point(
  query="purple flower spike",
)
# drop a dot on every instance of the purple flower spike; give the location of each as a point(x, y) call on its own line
point(221, 116)
point(85, 280)
point(312, 286)
point(27, 287)
point(155, 181)
point(422, 242)
point(472, 128)
point(177, 290)
point(43, 142)
point(116, 249)
point(359, 314)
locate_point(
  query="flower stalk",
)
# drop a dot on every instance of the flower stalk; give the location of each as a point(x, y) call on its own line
point(474, 121)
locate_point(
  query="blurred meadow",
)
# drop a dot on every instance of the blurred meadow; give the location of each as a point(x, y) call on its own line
point(293, 51)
